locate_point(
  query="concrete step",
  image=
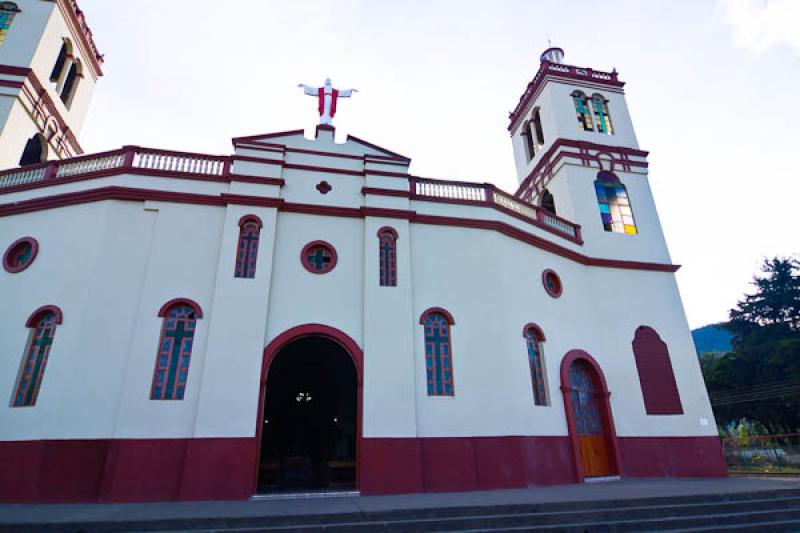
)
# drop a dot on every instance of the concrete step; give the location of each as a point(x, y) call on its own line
point(645, 514)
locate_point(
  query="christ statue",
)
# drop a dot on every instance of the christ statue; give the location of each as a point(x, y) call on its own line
point(327, 97)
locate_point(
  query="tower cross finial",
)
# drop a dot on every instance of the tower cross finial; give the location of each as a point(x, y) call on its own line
point(326, 99)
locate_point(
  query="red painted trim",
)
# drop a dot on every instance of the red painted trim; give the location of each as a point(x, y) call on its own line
point(287, 133)
point(251, 218)
point(388, 229)
point(559, 289)
point(272, 350)
point(606, 415)
point(444, 312)
point(324, 244)
point(12, 84)
point(13, 269)
point(133, 194)
point(33, 320)
point(537, 331)
point(385, 192)
point(77, 23)
point(198, 311)
point(379, 148)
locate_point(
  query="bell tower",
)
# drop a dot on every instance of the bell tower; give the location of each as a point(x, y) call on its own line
point(576, 154)
point(49, 65)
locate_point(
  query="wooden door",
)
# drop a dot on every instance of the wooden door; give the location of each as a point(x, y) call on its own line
point(588, 412)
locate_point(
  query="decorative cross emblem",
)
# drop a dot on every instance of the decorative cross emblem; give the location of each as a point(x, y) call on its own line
point(319, 258)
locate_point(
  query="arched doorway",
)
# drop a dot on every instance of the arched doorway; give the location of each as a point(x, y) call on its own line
point(310, 412)
point(591, 426)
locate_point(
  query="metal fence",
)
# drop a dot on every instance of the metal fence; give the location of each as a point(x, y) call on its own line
point(763, 454)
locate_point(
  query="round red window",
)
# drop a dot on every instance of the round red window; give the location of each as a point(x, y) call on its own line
point(20, 254)
point(552, 283)
point(318, 257)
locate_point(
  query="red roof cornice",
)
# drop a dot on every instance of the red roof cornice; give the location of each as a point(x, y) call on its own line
point(76, 21)
point(549, 70)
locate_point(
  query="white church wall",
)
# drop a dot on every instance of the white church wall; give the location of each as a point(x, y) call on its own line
point(301, 187)
point(19, 48)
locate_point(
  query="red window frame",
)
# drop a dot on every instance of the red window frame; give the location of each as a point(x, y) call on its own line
point(171, 372)
point(247, 246)
point(11, 258)
point(43, 323)
point(438, 351)
point(328, 252)
point(534, 337)
point(387, 256)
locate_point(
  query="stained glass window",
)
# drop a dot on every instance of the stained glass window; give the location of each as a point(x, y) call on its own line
point(615, 208)
point(7, 12)
point(174, 353)
point(582, 110)
point(585, 401)
point(552, 283)
point(438, 355)
point(35, 360)
point(20, 254)
point(247, 248)
point(387, 251)
point(535, 356)
point(601, 114)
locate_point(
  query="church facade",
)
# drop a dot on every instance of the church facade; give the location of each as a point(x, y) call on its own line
point(306, 314)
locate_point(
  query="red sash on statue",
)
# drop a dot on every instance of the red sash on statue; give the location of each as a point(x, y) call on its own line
point(321, 98)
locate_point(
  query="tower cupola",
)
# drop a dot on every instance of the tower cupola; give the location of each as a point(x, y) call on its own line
point(553, 55)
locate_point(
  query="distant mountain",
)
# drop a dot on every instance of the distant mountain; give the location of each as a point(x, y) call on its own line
point(711, 338)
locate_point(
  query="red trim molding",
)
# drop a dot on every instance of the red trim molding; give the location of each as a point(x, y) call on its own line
point(388, 229)
point(33, 320)
point(135, 194)
point(442, 311)
point(251, 218)
point(12, 248)
point(537, 331)
point(77, 24)
point(198, 311)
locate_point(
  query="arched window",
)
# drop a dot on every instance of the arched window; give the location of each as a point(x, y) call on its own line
point(247, 248)
point(43, 323)
point(174, 349)
point(61, 61)
point(387, 252)
point(547, 202)
point(601, 115)
point(35, 151)
point(7, 12)
point(615, 208)
point(71, 83)
point(582, 111)
point(534, 337)
point(527, 138)
point(659, 389)
point(438, 351)
point(537, 128)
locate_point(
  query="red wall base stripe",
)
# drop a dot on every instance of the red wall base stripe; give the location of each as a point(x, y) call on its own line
point(127, 470)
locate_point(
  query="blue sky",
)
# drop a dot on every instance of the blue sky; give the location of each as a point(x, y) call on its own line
point(711, 87)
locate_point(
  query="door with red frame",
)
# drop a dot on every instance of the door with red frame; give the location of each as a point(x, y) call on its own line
point(588, 410)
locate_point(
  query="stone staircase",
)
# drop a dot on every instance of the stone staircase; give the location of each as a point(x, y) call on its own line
point(762, 511)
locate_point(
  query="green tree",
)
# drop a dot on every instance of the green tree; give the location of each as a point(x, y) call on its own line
point(760, 379)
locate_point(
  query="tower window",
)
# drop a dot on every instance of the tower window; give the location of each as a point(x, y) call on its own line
point(601, 114)
point(61, 60)
point(438, 352)
point(615, 207)
point(71, 83)
point(43, 325)
point(537, 127)
point(247, 247)
point(582, 110)
point(387, 252)
point(7, 12)
point(35, 151)
point(174, 349)
point(527, 137)
point(534, 337)
point(547, 202)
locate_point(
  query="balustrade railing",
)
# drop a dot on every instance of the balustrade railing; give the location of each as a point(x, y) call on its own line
point(127, 157)
point(486, 194)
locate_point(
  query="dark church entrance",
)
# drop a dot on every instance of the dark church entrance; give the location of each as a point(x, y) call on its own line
point(309, 422)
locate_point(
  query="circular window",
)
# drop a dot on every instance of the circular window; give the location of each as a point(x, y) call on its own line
point(20, 254)
point(552, 283)
point(318, 257)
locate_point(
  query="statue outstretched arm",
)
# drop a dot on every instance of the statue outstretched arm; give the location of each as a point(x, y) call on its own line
point(347, 93)
point(312, 91)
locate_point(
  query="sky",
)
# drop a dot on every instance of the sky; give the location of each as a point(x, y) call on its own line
point(711, 87)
